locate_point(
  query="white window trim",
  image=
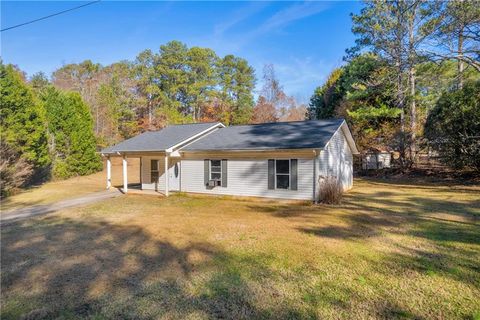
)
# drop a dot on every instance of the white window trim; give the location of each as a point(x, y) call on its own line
point(221, 169)
point(284, 174)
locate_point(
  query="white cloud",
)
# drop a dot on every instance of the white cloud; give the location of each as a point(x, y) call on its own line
point(275, 23)
point(291, 14)
point(300, 77)
point(239, 16)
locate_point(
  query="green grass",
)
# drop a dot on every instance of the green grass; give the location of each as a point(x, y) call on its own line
point(391, 250)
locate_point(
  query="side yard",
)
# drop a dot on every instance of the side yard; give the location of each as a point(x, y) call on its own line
point(391, 250)
point(54, 191)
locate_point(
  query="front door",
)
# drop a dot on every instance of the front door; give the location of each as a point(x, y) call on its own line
point(174, 175)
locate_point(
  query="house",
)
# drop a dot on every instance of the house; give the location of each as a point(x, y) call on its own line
point(274, 160)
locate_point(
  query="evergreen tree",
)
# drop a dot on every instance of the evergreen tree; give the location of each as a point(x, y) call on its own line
point(453, 127)
point(202, 79)
point(120, 104)
point(237, 81)
point(323, 102)
point(456, 35)
point(72, 142)
point(83, 157)
point(394, 31)
point(22, 120)
point(361, 92)
point(39, 81)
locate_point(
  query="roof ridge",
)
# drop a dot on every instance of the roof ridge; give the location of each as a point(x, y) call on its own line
point(181, 124)
point(281, 122)
point(184, 124)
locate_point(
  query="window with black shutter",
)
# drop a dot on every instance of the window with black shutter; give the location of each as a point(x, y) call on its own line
point(217, 172)
point(282, 174)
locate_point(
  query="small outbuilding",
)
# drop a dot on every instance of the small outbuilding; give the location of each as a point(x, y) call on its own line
point(375, 159)
point(274, 160)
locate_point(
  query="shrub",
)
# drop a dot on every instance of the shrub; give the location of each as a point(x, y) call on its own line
point(453, 127)
point(330, 191)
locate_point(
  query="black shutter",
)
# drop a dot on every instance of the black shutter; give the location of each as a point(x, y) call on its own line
point(206, 171)
point(224, 173)
point(271, 174)
point(293, 174)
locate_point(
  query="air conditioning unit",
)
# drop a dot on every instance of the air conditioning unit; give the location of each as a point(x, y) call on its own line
point(211, 183)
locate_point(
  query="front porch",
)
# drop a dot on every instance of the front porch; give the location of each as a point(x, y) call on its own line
point(136, 188)
point(159, 173)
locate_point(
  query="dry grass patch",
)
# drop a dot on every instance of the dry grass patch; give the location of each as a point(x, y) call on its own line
point(389, 251)
point(54, 191)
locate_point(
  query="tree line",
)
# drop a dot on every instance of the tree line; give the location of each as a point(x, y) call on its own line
point(175, 85)
point(411, 81)
point(45, 133)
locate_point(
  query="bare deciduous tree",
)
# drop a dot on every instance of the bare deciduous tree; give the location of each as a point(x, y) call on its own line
point(14, 170)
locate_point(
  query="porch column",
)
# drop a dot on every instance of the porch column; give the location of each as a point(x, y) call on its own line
point(109, 173)
point(166, 175)
point(125, 180)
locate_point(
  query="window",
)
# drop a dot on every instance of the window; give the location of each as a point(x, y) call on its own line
point(216, 171)
point(176, 170)
point(282, 174)
point(154, 171)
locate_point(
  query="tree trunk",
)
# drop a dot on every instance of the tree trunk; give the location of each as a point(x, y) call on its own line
point(413, 114)
point(400, 105)
point(460, 60)
point(399, 68)
point(412, 86)
point(400, 99)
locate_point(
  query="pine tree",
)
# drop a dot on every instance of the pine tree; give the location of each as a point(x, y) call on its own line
point(237, 81)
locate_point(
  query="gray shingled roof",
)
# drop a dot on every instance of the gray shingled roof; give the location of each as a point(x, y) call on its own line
point(160, 140)
point(311, 134)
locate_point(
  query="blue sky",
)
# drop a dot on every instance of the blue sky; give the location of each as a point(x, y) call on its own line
point(304, 40)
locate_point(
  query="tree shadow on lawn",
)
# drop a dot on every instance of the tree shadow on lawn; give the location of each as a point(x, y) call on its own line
point(425, 184)
point(365, 216)
point(456, 263)
point(66, 268)
point(369, 215)
point(8, 205)
point(358, 226)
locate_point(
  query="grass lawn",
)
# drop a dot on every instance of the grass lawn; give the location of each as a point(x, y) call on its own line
point(391, 250)
point(60, 190)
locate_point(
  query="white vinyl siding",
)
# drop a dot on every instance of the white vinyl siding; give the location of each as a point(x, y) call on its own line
point(247, 177)
point(337, 160)
point(378, 160)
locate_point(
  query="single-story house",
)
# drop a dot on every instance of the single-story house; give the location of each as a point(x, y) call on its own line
point(274, 160)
